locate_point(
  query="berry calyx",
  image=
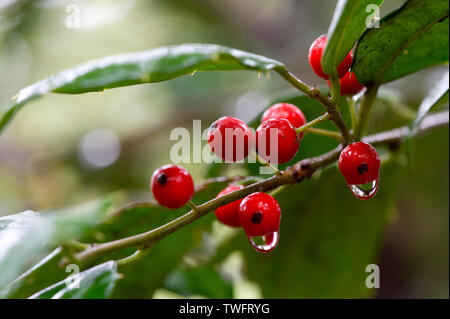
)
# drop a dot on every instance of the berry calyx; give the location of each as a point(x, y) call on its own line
point(286, 111)
point(359, 163)
point(229, 214)
point(315, 58)
point(349, 84)
point(172, 186)
point(277, 141)
point(230, 138)
point(259, 214)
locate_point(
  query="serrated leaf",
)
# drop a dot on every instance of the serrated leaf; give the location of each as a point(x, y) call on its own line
point(95, 283)
point(151, 66)
point(410, 39)
point(348, 24)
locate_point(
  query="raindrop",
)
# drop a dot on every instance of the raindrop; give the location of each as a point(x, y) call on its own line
point(365, 191)
point(265, 243)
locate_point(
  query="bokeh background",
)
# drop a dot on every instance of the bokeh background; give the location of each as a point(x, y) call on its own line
point(67, 149)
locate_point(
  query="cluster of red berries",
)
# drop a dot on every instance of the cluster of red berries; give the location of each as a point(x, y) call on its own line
point(348, 81)
point(230, 138)
point(276, 139)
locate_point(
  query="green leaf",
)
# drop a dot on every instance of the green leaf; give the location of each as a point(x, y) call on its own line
point(198, 280)
point(410, 39)
point(327, 239)
point(347, 26)
point(95, 283)
point(151, 66)
point(26, 236)
point(437, 96)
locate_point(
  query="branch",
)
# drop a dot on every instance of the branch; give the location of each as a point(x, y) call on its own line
point(295, 174)
point(314, 93)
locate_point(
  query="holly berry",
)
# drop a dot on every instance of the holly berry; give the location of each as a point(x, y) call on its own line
point(259, 214)
point(349, 84)
point(359, 163)
point(172, 186)
point(287, 111)
point(230, 138)
point(229, 214)
point(315, 58)
point(287, 139)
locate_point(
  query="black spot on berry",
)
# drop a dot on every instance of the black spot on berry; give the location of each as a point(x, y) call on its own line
point(257, 217)
point(162, 179)
point(363, 168)
point(213, 126)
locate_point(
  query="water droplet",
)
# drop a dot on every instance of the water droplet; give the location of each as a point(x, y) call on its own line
point(265, 243)
point(365, 191)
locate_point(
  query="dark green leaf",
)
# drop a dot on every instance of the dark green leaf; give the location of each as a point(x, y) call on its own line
point(156, 65)
point(348, 24)
point(95, 283)
point(410, 39)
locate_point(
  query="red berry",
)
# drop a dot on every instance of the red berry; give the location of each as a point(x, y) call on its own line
point(315, 58)
point(359, 163)
point(259, 214)
point(283, 134)
point(228, 214)
point(349, 84)
point(172, 186)
point(230, 139)
point(286, 111)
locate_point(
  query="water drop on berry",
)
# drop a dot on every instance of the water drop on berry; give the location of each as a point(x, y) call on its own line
point(266, 243)
point(365, 191)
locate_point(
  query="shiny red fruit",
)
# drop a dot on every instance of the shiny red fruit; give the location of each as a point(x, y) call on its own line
point(359, 163)
point(259, 214)
point(315, 58)
point(349, 84)
point(229, 214)
point(286, 111)
point(172, 186)
point(277, 141)
point(230, 139)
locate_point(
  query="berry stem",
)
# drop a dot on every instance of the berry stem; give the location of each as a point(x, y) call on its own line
point(314, 93)
point(364, 111)
point(328, 133)
point(335, 90)
point(192, 206)
point(135, 257)
point(295, 174)
point(352, 111)
point(265, 163)
point(312, 123)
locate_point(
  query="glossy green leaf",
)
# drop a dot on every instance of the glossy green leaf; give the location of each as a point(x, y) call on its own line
point(410, 39)
point(151, 66)
point(26, 236)
point(350, 19)
point(95, 283)
point(436, 97)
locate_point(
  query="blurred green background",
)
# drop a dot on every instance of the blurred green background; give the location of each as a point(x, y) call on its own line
point(67, 149)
